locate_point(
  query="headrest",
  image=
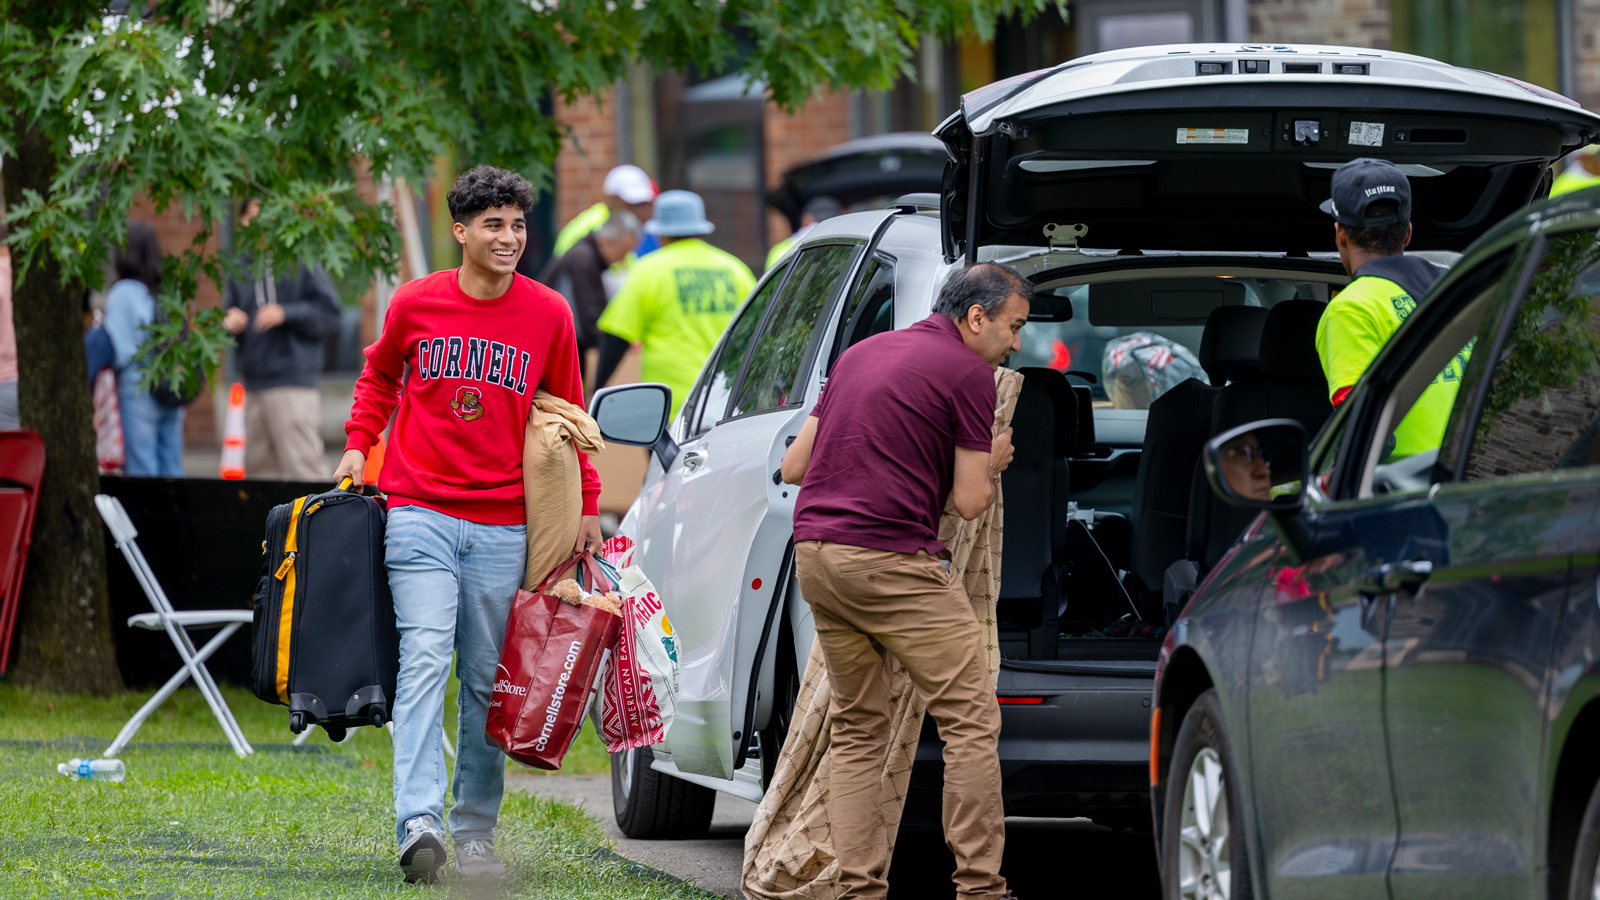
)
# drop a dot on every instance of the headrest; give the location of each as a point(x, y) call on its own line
point(1063, 399)
point(1231, 345)
point(1289, 339)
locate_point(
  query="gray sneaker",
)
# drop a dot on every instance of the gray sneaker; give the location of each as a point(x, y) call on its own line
point(476, 859)
point(422, 852)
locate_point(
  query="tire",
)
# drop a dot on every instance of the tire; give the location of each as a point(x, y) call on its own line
point(1200, 862)
point(1585, 879)
point(650, 805)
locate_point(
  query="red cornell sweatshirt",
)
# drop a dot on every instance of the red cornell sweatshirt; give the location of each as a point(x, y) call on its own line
point(463, 372)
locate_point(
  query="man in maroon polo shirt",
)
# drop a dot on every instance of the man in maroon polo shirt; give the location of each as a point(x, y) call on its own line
point(903, 424)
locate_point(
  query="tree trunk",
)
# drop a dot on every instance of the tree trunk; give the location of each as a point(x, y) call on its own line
point(64, 624)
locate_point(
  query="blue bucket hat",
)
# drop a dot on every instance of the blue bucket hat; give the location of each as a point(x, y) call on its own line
point(679, 214)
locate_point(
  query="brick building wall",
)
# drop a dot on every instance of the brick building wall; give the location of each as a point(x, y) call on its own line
point(823, 122)
point(1355, 23)
point(591, 147)
point(1586, 52)
point(589, 153)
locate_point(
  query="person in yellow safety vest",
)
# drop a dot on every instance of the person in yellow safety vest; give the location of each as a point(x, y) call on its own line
point(625, 187)
point(817, 209)
point(1583, 171)
point(1371, 208)
point(677, 301)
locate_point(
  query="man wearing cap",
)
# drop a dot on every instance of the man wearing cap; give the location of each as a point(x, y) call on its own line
point(677, 300)
point(1371, 208)
point(817, 209)
point(625, 187)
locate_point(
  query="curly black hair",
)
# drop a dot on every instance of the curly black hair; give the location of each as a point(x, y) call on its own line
point(486, 187)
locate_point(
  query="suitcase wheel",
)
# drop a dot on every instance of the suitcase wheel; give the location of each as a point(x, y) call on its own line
point(297, 722)
point(335, 733)
point(377, 718)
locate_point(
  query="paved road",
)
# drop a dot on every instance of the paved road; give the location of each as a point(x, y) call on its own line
point(1045, 858)
point(713, 863)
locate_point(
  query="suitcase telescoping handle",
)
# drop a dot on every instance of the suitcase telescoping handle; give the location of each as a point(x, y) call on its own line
point(597, 576)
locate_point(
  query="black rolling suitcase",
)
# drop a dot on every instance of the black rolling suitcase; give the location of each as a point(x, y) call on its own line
point(324, 638)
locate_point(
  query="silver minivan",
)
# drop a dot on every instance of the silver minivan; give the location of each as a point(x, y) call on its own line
point(1159, 197)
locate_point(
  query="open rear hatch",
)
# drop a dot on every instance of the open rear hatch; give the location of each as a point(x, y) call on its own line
point(1184, 149)
point(868, 171)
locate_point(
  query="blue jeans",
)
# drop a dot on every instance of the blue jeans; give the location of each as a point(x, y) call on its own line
point(453, 582)
point(152, 434)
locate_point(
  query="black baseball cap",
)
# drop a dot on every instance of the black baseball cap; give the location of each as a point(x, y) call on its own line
point(1359, 182)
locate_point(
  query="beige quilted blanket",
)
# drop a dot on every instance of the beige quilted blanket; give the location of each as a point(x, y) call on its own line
point(788, 852)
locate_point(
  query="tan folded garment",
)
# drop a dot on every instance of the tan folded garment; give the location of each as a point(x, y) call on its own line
point(552, 484)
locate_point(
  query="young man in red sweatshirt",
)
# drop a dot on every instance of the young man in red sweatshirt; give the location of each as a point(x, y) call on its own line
point(461, 354)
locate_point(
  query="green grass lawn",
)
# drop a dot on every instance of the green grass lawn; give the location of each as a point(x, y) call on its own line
point(194, 820)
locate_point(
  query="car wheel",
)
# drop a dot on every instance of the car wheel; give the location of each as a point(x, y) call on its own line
point(1585, 880)
point(1203, 842)
point(652, 805)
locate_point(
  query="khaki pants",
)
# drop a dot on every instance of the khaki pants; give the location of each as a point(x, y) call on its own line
point(868, 602)
point(283, 434)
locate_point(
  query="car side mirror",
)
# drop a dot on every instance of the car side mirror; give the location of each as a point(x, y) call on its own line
point(636, 415)
point(1261, 465)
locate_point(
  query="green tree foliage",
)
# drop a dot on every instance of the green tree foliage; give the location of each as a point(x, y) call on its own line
point(1556, 337)
point(196, 104)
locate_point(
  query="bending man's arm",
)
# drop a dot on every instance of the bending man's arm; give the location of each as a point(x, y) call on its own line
point(798, 457)
point(976, 475)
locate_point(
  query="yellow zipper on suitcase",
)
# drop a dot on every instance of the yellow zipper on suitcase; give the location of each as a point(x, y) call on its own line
point(285, 574)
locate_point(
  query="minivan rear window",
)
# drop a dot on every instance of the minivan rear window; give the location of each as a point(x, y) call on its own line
point(1141, 337)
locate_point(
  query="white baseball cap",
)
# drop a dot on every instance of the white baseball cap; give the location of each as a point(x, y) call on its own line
point(631, 184)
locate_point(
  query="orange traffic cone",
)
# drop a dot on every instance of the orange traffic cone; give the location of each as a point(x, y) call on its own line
point(233, 435)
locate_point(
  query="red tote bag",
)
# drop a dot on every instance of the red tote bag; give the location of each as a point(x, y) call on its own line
point(551, 663)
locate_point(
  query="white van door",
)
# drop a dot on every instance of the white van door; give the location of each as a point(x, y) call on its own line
point(732, 521)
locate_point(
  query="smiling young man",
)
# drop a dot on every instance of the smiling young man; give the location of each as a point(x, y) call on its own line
point(904, 423)
point(461, 354)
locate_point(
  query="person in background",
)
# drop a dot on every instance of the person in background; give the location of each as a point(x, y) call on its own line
point(152, 433)
point(280, 323)
point(1583, 170)
point(1371, 208)
point(460, 357)
point(579, 275)
point(677, 300)
point(818, 209)
point(9, 419)
point(626, 187)
point(905, 422)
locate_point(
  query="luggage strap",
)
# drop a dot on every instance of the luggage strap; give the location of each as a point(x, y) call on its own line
point(597, 575)
point(286, 574)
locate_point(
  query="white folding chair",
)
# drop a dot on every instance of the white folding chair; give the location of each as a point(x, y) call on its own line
point(175, 624)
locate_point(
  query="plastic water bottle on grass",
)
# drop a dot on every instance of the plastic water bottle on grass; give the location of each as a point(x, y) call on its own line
point(93, 769)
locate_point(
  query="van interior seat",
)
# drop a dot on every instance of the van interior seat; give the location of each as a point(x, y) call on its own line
point(1291, 385)
point(1036, 485)
point(1176, 430)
